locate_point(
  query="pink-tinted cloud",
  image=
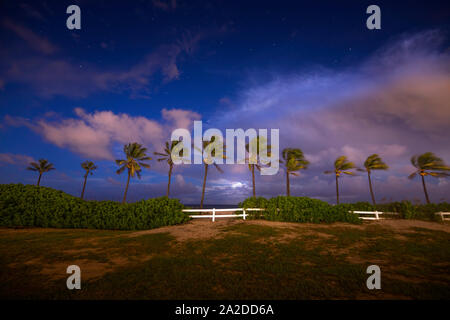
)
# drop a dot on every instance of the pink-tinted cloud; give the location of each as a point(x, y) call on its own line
point(15, 159)
point(165, 5)
point(180, 118)
point(36, 42)
point(32, 12)
point(94, 134)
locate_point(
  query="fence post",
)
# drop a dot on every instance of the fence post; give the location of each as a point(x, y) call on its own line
point(214, 214)
point(442, 216)
point(243, 216)
point(376, 215)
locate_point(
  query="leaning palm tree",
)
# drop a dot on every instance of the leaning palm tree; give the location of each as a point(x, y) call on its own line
point(136, 155)
point(254, 158)
point(89, 166)
point(373, 162)
point(294, 160)
point(167, 156)
point(206, 165)
point(428, 164)
point(341, 165)
point(41, 167)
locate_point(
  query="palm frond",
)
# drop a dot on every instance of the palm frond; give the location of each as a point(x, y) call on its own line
point(218, 168)
point(412, 175)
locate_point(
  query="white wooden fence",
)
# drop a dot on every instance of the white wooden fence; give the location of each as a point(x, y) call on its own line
point(214, 216)
point(444, 215)
point(375, 215)
point(363, 215)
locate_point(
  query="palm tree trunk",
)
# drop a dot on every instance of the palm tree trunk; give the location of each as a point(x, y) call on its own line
point(253, 180)
point(84, 186)
point(288, 187)
point(168, 184)
point(39, 179)
point(371, 190)
point(337, 190)
point(204, 184)
point(425, 189)
point(126, 188)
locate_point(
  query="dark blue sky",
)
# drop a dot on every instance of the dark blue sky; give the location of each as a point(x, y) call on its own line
point(137, 69)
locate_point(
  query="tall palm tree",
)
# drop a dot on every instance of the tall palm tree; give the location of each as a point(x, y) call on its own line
point(206, 165)
point(373, 162)
point(294, 160)
point(428, 164)
point(341, 165)
point(136, 155)
point(41, 167)
point(253, 166)
point(167, 156)
point(89, 166)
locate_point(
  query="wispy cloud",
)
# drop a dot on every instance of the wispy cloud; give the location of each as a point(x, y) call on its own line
point(165, 5)
point(32, 12)
point(15, 159)
point(50, 75)
point(35, 41)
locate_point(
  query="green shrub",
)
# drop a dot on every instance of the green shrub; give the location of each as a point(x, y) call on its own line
point(428, 211)
point(254, 202)
point(303, 209)
point(407, 210)
point(299, 209)
point(27, 205)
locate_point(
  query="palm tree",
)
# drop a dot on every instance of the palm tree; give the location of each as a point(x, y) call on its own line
point(294, 160)
point(253, 166)
point(373, 162)
point(167, 156)
point(341, 165)
point(89, 166)
point(41, 167)
point(136, 155)
point(428, 164)
point(213, 154)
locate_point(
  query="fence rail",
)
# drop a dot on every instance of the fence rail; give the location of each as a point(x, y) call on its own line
point(375, 214)
point(444, 215)
point(214, 216)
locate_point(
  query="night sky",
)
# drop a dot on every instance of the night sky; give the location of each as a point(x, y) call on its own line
point(139, 69)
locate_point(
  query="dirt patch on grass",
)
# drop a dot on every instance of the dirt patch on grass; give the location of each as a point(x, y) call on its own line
point(194, 229)
point(89, 269)
point(402, 225)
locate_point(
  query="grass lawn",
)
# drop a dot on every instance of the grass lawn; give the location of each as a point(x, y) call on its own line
point(230, 259)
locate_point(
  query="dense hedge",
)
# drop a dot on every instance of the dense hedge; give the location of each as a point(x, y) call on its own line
point(27, 205)
point(303, 209)
point(299, 209)
point(405, 209)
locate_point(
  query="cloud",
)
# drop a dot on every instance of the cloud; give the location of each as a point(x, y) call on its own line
point(94, 134)
point(113, 181)
point(15, 159)
point(165, 5)
point(36, 42)
point(32, 12)
point(396, 104)
point(50, 75)
point(180, 118)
